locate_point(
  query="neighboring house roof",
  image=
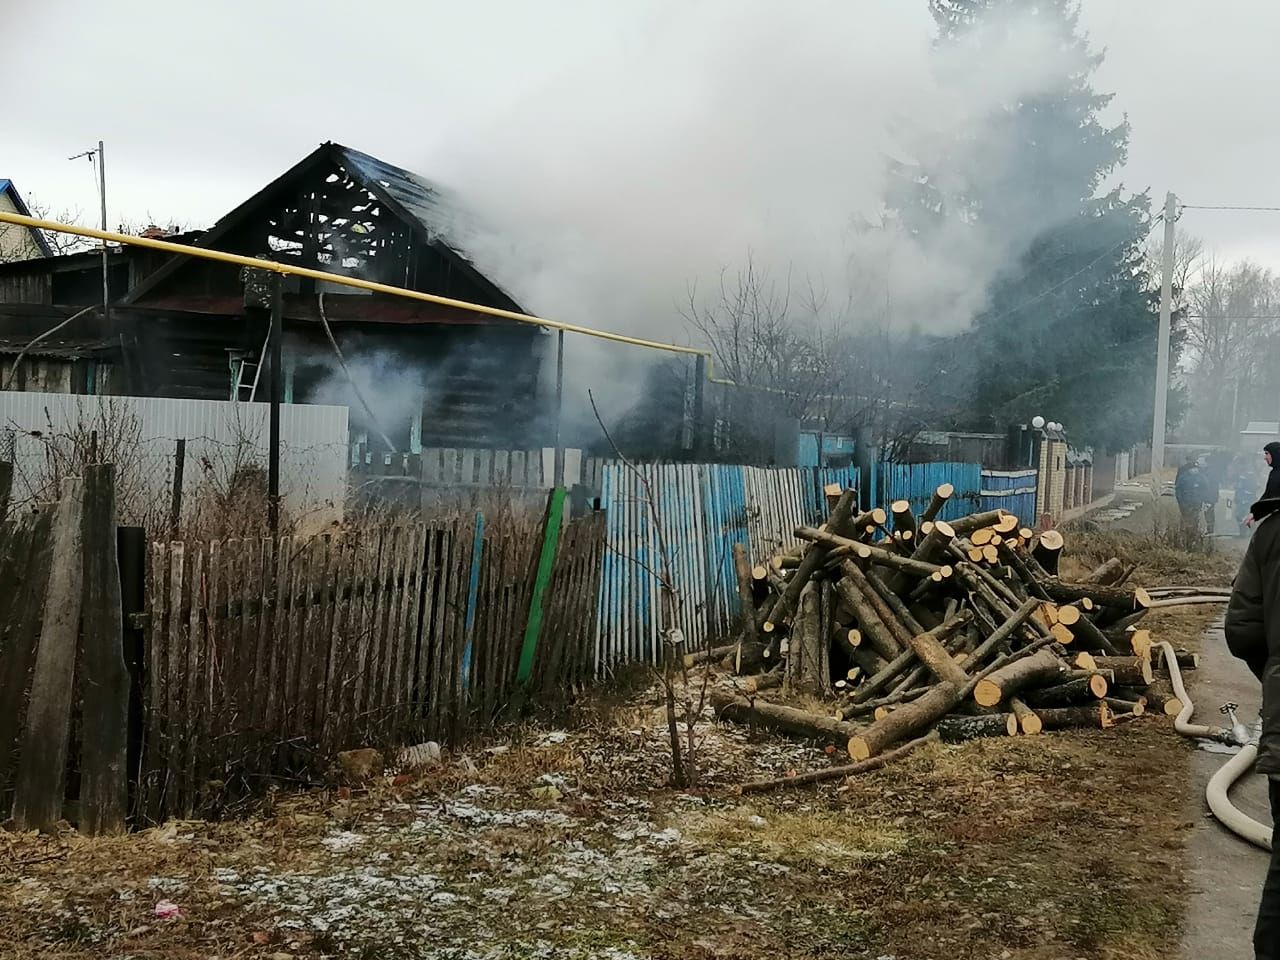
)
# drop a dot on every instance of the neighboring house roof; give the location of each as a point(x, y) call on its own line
point(436, 212)
point(7, 187)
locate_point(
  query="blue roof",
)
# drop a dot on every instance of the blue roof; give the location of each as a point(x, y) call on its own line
point(6, 186)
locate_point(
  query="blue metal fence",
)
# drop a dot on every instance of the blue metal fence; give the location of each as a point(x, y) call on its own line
point(1012, 490)
point(917, 482)
point(703, 510)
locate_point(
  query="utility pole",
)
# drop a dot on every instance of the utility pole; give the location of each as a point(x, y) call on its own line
point(102, 198)
point(102, 195)
point(558, 479)
point(1162, 348)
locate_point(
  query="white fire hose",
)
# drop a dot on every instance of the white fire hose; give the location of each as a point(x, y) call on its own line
point(1217, 794)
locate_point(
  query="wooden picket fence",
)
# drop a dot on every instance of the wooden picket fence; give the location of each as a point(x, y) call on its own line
point(264, 658)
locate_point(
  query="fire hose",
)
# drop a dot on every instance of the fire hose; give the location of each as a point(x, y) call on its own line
point(1217, 794)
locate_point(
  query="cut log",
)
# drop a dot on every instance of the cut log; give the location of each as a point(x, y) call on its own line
point(1042, 668)
point(1062, 634)
point(976, 521)
point(751, 658)
point(1066, 694)
point(940, 497)
point(841, 772)
point(810, 563)
point(1047, 551)
point(1094, 638)
point(1106, 573)
point(746, 596)
point(937, 658)
point(1161, 698)
point(980, 538)
point(1122, 598)
point(1097, 715)
point(888, 616)
point(1028, 720)
point(1119, 705)
point(960, 729)
point(907, 720)
point(883, 679)
point(1007, 525)
point(895, 602)
point(807, 650)
point(903, 519)
point(1141, 644)
point(773, 716)
point(1002, 633)
point(1185, 658)
point(870, 662)
point(709, 656)
point(1085, 661)
point(875, 632)
point(1129, 671)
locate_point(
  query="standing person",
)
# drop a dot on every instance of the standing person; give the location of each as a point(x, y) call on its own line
point(1188, 490)
point(1253, 635)
point(1271, 454)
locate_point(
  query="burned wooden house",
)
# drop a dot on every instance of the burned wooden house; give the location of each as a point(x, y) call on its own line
point(178, 327)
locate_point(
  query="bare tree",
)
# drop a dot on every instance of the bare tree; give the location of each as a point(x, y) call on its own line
point(58, 243)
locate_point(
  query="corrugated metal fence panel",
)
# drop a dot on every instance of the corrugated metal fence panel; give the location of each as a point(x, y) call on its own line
point(1012, 490)
point(704, 510)
point(139, 434)
point(724, 499)
point(917, 482)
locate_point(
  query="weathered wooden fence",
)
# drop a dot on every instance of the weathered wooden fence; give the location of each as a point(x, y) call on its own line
point(265, 658)
point(702, 510)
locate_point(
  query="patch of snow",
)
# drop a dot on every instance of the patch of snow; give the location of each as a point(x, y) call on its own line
point(342, 840)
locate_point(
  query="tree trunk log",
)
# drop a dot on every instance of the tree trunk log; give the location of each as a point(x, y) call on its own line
point(1062, 718)
point(875, 632)
point(895, 602)
point(709, 656)
point(1067, 694)
point(1037, 670)
point(1047, 551)
point(746, 586)
point(1162, 699)
point(1106, 573)
point(810, 563)
point(806, 649)
point(1028, 720)
point(1120, 705)
point(903, 518)
point(838, 773)
point(1123, 599)
point(801, 723)
point(960, 729)
point(887, 615)
point(1186, 659)
point(1129, 671)
point(903, 722)
point(940, 497)
point(976, 521)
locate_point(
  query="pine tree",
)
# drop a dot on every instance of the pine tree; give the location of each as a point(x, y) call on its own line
point(1069, 331)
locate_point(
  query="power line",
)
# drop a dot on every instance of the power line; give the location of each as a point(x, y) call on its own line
point(1061, 283)
point(1205, 206)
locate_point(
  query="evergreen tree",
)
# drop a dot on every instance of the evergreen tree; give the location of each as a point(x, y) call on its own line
point(1069, 331)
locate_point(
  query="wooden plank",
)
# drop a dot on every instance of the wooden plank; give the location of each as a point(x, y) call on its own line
point(338, 580)
point(278, 638)
point(104, 678)
point(519, 469)
point(6, 488)
point(405, 629)
point(439, 670)
point(351, 640)
point(28, 579)
point(249, 570)
point(293, 637)
point(42, 758)
point(456, 636)
point(380, 677)
point(423, 700)
point(315, 633)
point(547, 555)
point(263, 634)
point(493, 565)
point(176, 648)
point(374, 637)
point(155, 747)
point(196, 667)
point(216, 695)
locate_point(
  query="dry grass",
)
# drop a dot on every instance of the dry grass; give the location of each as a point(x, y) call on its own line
point(1031, 848)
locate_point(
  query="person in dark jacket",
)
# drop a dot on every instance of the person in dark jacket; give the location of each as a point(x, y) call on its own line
point(1271, 454)
point(1189, 490)
point(1253, 635)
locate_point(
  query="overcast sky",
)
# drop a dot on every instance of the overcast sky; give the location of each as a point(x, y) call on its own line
point(201, 104)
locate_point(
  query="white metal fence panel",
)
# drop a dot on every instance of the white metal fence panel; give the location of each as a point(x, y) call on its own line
point(226, 441)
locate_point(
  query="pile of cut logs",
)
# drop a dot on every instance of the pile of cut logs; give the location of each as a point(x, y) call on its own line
point(918, 626)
